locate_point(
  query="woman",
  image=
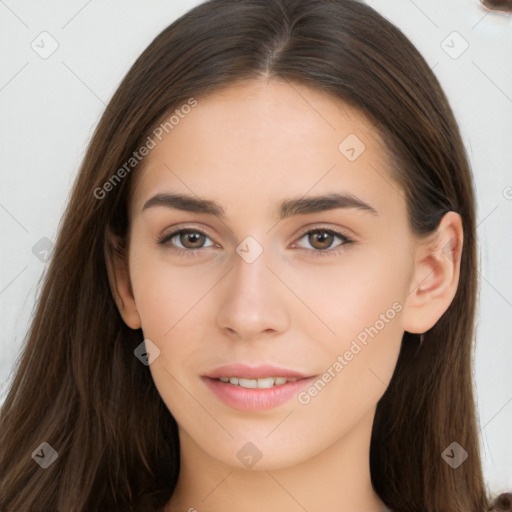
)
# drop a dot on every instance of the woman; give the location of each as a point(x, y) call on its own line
point(246, 371)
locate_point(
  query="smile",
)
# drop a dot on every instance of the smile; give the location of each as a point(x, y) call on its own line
point(264, 383)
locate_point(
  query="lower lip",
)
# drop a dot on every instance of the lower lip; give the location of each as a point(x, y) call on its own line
point(255, 399)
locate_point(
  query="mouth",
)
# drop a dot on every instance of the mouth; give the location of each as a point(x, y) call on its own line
point(260, 387)
point(264, 383)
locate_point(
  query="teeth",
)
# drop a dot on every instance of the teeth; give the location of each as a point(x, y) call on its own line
point(264, 383)
point(246, 383)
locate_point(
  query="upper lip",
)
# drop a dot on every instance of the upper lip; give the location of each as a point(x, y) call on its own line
point(254, 372)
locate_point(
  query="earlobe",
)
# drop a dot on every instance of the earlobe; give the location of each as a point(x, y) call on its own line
point(119, 280)
point(436, 275)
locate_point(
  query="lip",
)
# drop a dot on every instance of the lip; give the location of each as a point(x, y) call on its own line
point(254, 372)
point(254, 399)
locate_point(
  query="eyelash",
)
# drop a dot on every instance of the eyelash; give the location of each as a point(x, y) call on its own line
point(165, 240)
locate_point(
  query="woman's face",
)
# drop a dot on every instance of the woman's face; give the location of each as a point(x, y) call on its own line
point(262, 285)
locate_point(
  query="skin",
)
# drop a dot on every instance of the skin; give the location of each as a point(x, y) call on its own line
point(248, 147)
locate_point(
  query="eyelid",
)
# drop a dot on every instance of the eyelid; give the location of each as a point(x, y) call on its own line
point(180, 228)
point(343, 232)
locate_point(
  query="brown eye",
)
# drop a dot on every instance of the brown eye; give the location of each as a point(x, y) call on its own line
point(320, 239)
point(323, 241)
point(185, 239)
point(192, 239)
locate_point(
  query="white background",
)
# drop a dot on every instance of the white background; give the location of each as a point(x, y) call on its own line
point(49, 108)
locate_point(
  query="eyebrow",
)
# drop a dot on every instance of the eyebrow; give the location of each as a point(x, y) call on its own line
point(288, 208)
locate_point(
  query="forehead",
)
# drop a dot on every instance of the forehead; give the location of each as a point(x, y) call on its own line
point(263, 138)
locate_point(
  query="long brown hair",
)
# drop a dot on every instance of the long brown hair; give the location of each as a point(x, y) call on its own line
point(78, 385)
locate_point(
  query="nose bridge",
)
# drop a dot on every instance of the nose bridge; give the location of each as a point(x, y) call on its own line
point(251, 265)
point(253, 299)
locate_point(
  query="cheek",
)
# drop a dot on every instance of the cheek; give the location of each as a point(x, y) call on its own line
point(174, 304)
point(167, 294)
point(348, 297)
point(357, 329)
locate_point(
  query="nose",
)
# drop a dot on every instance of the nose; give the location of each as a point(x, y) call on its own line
point(253, 301)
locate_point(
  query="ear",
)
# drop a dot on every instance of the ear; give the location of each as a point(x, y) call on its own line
point(435, 275)
point(116, 260)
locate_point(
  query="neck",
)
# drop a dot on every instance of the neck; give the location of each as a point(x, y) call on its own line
point(336, 479)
